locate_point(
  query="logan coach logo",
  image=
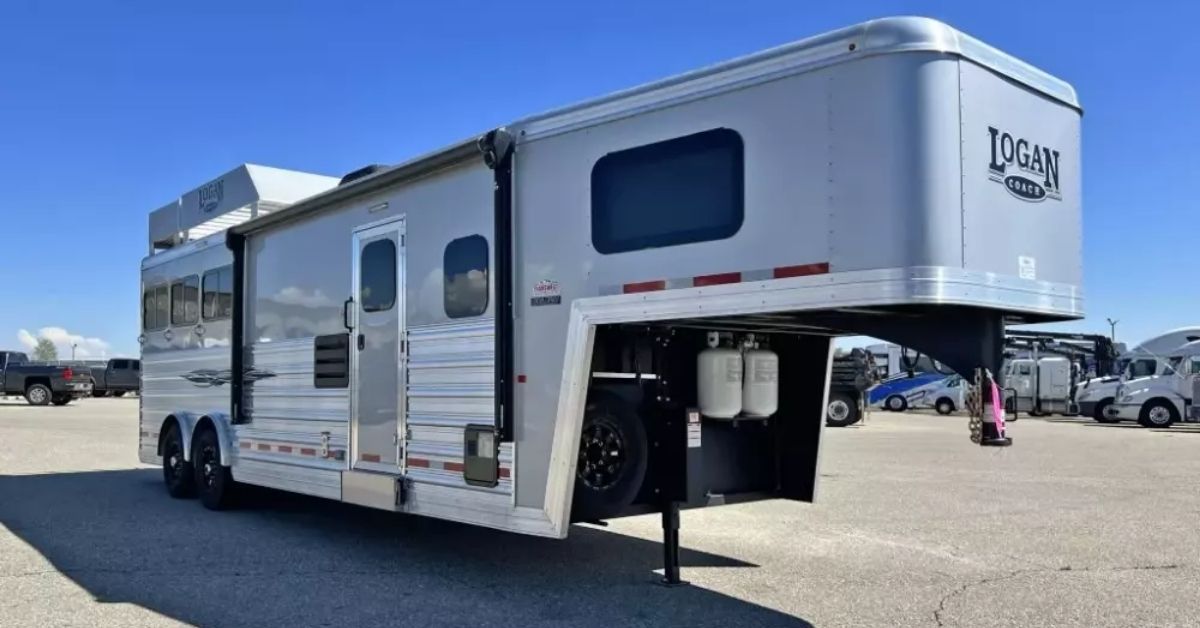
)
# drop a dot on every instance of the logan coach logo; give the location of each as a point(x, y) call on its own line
point(211, 195)
point(1037, 167)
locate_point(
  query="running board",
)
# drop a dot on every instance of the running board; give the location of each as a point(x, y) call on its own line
point(373, 490)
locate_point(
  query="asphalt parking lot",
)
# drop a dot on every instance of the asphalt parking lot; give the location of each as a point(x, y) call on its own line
point(1078, 524)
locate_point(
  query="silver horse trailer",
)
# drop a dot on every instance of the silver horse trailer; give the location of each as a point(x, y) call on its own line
point(623, 306)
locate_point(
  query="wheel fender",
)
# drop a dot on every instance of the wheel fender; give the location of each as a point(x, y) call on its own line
point(221, 424)
point(186, 422)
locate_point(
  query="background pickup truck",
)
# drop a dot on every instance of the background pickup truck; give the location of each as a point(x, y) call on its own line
point(42, 384)
point(119, 376)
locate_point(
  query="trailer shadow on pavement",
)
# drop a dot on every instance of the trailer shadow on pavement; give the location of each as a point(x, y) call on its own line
point(283, 559)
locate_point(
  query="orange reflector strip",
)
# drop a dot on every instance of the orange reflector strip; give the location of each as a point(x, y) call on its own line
point(716, 280)
point(644, 286)
point(802, 270)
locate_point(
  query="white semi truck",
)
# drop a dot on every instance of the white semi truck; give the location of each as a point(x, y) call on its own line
point(588, 313)
point(1163, 399)
point(1096, 396)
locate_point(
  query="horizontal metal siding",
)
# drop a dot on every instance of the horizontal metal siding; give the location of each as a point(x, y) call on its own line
point(283, 405)
point(167, 389)
point(451, 373)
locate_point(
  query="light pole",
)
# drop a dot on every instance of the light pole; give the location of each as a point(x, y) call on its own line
point(73, 345)
point(1112, 329)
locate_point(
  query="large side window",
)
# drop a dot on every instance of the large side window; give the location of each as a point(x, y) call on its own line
point(185, 301)
point(688, 189)
point(217, 294)
point(377, 283)
point(465, 285)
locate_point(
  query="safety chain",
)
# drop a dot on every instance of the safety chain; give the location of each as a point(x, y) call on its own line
point(975, 408)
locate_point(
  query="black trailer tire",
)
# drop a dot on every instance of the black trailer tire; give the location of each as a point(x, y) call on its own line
point(118, 393)
point(178, 475)
point(896, 403)
point(613, 456)
point(1158, 413)
point(1100, 414)
point(842, 410)
point(99, 393)
point(38, 395)
point(945, 405)
point(61, 400)
point(214, 483)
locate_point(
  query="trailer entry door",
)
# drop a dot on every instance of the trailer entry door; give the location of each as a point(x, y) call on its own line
point(378, 348)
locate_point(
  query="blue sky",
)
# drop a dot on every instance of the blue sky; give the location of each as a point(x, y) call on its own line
point(107, 112)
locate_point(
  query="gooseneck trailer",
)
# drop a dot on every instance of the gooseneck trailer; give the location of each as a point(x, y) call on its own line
point(623, 306)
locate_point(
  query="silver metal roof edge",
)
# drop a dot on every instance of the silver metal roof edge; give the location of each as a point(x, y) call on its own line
point(404, 171)
point(876, 37)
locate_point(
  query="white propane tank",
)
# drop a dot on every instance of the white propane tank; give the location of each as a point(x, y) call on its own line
point(760, 388)
point(720, 373)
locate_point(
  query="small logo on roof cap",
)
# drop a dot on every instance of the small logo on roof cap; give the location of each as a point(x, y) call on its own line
point(211, 195)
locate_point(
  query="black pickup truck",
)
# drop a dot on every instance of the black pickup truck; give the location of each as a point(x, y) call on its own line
point(117, 377)
point(42, 384)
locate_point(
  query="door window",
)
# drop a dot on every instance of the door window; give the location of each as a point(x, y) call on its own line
point(377, 283)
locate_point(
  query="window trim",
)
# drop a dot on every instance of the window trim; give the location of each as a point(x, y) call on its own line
point(228, 268)
point(181, 281)
point(152, 290)
point(717, 138)
point(487, 272)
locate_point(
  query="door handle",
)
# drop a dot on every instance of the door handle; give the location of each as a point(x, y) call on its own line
point(346, 313)
point(362, 342)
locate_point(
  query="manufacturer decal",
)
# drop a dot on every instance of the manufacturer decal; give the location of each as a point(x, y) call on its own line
point(546, 292)
point(211, 195)
point(1028, 170)
point(208, 378)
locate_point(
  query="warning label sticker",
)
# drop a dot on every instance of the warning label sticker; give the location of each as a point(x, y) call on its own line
point(693, 428)
point(546, 292)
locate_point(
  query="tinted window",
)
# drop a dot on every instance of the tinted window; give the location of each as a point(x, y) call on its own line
point(377, 286)
point(1024, 369)
point(137, 365)
point(148, 319)
point(1143, 368)
point(688, 189)
point(120, 364)
point(217, 299)
point(465, 290)
point(185, 301)
point(155, 306)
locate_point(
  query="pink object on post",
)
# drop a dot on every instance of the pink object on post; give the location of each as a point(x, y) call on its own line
point(998, 409)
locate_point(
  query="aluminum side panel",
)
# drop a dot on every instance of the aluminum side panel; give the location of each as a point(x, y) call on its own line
point(1003, 232)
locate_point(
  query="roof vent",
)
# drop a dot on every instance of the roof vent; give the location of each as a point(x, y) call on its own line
point(362, 173)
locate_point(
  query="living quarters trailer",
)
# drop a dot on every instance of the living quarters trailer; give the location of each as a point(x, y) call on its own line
point(624, 305)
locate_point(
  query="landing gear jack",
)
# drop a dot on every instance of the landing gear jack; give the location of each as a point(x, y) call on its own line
point(670, 524)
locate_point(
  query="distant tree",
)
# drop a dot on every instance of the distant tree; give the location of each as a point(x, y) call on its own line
point(45, 351)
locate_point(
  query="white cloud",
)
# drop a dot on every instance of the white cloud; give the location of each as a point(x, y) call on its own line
point(293, 295)
point(85, 348)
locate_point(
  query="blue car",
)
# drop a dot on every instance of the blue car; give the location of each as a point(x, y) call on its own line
point(891, 392)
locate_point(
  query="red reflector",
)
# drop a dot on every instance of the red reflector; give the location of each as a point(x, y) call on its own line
point(521, 379)
point(716, 280)
point(68, 374)
point(644, 286)
point(803, 270)
point(418, 462)
point(453, 466)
